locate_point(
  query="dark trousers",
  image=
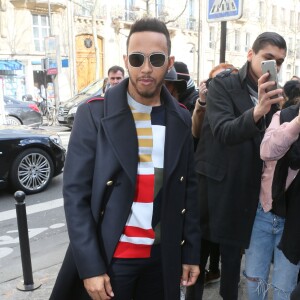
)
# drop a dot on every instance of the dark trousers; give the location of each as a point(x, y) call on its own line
point(138, 279)
point(131, 279)
point(208, 249)
point(230, 271)
point(230, 274)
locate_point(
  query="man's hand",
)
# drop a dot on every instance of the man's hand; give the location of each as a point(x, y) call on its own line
point(190, 274)
point(203, 90)
point(99, 287)
point(264, 98)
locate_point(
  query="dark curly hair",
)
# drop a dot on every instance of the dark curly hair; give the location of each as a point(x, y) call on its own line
point(150, 24)
point(292, 92)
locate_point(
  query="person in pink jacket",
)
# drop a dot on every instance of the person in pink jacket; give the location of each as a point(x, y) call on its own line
point(278, 185)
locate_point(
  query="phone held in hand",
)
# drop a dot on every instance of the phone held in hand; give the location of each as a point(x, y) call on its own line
point(270, 67)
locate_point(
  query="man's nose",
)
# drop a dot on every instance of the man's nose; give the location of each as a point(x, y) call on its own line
point(147, 67)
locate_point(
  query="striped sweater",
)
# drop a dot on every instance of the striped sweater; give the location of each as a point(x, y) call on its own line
point(142, 228)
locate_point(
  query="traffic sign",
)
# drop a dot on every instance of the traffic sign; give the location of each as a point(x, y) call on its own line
point(224, 10)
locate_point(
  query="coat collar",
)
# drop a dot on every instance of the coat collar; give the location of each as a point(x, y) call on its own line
point(119, 127)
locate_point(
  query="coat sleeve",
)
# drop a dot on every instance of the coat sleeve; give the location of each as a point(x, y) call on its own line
point(77, 191)
point(191, 230)
point(229, 126)
point(279, 138)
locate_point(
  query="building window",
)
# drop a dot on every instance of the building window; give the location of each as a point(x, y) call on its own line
point(292, 18)
point(41, 29)
point(290, 46)
point(211, 42)
point(261, 10)
point(237, 40)
point(298, 49)
point(288, 71)
point(247, 42)
point(84, 7)
point(274, 15)
point(129, 13)
point(282, 18)
point(191, 21)
point(297, 71)
point(159, 8)
point(227, 44)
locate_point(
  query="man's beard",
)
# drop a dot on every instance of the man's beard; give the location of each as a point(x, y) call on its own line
point(145, 93)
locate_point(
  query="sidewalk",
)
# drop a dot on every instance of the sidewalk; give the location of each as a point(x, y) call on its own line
point(47, 278)
point(54, 127)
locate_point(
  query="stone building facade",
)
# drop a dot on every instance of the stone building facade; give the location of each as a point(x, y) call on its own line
point(78, 25)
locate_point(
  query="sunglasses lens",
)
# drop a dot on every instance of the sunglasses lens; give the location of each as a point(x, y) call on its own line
point(157, 59)
point(136, 59)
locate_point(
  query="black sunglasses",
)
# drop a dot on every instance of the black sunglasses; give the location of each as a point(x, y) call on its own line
point(137, 59)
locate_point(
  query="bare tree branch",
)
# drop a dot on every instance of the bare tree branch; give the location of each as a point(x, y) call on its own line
point(174, 20)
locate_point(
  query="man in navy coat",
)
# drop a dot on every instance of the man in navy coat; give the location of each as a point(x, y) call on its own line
point(130, 190)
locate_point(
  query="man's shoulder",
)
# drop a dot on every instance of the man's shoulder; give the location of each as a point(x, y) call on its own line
point(93, 106)
point(229, 82)
point(95, 99)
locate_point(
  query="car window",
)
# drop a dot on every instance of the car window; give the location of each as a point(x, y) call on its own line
point(93, 88)
point(9, 100)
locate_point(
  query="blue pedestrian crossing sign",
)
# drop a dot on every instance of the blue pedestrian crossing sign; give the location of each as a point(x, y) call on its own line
point(224, 10)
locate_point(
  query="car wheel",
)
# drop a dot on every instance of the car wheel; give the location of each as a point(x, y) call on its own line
point(32, 171)
point(10, 120)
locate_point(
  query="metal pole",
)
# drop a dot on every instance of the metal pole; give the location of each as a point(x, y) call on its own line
point(199, 45)
point(223, 42)
point(27, 284)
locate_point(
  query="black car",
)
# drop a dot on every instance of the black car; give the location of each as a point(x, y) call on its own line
point(67, 110)
point(29, 158)
point(21, 112)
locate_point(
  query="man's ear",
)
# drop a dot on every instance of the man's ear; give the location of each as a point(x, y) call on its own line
point(171, 62)
point(250, 55)
point(125, 58)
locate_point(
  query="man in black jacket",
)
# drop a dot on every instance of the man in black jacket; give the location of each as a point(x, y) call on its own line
point(227, 157)
point(188, 97)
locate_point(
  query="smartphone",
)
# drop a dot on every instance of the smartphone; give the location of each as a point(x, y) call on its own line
point(270, 67)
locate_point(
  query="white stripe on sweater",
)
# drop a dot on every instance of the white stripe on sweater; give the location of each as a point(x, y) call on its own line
point(136, 240)
point(141, 215)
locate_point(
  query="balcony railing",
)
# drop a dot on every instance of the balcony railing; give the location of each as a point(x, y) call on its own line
point(55, 5)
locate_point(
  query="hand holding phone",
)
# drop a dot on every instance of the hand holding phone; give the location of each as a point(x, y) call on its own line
point(269, 66)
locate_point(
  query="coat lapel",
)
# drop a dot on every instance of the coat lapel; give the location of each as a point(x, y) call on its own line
point(119, 128)
point(176, 134)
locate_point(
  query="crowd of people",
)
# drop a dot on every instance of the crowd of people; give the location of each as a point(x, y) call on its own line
point(167, 186)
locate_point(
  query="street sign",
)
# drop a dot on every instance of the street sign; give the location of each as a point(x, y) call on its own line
point(224, 10)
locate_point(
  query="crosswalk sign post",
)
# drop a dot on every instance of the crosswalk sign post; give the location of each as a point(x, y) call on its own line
point(223, 11)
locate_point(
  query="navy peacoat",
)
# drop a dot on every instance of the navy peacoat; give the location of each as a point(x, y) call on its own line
point(99, 185)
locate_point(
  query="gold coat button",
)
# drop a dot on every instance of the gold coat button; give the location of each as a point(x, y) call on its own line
point(182, 242)
point(181, 179)
point(109, 183)
point(183, 211)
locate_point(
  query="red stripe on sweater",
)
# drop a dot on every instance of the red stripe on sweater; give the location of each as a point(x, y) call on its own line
point(133, 231)
point(129, 250)
point(144, 189)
